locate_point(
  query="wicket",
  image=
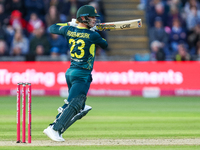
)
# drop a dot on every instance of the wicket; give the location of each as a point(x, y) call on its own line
point(23, 112)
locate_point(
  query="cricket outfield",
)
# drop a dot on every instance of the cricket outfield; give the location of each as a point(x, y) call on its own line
point(114, 123)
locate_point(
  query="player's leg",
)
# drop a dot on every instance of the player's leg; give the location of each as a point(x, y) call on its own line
point(77, 86)
point(83, 88)
point(69, 112)
point(80, 86)
point(78, 116)
point(73, 110)
point(52, 134)
point(54, 131)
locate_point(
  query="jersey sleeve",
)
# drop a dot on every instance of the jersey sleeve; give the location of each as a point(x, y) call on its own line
point(99, 40)
point(59, 28)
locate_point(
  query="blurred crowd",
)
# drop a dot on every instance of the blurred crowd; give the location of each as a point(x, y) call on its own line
point(24, 26)
point(173, 29)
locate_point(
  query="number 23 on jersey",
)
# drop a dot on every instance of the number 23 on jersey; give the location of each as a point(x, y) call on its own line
point(81, 48)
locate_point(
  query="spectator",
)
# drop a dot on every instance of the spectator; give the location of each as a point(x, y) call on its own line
point(54, 2)
point(189, 4)
point(46, 5)
point(174, 12)
point(36, 6)
point(3, 16)
point(40, 38)
point(16, 20)
point(3, 48)
point(68, 9)
point(182, 54)
point(192, 17)
point(34, 23)
point(58, 3)
point(183, 2)
point(193, 39)
point(2, 2)
point(58, 44)
point(177, 3)
point(10, 32)
point(11, 5)
point(158, 33)
point(39, 50)
point(3, 22)
point(177, 35)
point(157, 53)
point(52, 16)
point(158, 11)
point(3, 34)
point(54, 52)
point(20, 44)
point(151, 4)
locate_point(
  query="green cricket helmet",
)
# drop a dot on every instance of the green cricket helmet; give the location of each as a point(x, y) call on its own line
point(86, 11)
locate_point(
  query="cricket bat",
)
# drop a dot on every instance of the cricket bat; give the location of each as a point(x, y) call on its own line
point(119, 25)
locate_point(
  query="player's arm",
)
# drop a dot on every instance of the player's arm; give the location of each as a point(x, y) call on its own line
point(99, 40)
point(58, 28)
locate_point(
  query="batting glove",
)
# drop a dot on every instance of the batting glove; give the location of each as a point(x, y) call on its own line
point(73, 22)
point(93, 28)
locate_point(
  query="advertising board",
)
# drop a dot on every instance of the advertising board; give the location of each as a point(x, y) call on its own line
point(110, 78)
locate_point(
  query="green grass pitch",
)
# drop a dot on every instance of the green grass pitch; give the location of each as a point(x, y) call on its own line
point(111, 118)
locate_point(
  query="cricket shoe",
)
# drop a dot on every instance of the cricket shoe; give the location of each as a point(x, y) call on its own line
point(82, 113)
point(52, 134)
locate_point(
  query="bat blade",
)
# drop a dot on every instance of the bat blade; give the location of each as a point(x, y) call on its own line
point(119, 25)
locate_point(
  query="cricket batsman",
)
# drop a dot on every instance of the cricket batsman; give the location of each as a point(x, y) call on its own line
point(82, 40)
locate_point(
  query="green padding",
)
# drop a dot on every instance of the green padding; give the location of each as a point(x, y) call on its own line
point(69, 112)
point(74, 119)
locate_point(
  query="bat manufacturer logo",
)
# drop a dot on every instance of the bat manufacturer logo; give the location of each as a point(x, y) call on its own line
point(139, 24)
point(125, 26)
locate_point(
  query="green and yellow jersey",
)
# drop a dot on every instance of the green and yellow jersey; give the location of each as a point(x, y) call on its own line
point(82, 43)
